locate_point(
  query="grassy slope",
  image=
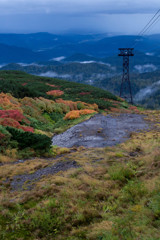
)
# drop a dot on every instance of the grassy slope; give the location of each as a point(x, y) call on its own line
point(113, 195)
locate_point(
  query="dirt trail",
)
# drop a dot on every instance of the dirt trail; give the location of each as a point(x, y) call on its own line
point(101, 131)
point(27, 181)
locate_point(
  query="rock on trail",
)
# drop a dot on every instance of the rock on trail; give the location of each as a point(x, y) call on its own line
point(101, 131)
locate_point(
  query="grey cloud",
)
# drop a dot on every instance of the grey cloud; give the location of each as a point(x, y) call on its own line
point(81, 16)
point(77, 6)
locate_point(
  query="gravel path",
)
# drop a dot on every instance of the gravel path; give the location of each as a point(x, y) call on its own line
point(101, 131)
point(26, 181)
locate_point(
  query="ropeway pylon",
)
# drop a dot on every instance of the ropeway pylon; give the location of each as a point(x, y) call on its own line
point(125, 90)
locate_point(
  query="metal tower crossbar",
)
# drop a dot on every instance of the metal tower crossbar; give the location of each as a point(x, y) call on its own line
point(125, 90)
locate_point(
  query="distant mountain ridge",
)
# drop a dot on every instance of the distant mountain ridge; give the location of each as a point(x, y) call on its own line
point(90, 59)
point(46, 46)
point(17, 54)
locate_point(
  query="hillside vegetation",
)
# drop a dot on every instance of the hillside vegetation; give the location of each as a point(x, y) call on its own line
point(33, 109)
point(110, 193)
point(104, 75)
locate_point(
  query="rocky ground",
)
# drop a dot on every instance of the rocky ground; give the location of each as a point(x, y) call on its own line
point(101, 131)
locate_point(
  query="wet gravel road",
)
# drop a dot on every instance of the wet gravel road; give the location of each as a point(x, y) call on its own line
point(101, 131)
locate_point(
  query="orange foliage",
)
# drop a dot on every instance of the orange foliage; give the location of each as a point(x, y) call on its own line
point(116, 110)
point(72, 115)
point(72, 105)
point(9, 102)
point(77, 113)
point(86, 111)
point(55, 93)
point(134, 109)
point(93, 106)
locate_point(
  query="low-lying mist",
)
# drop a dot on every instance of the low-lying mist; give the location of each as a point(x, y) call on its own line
point(146, 92)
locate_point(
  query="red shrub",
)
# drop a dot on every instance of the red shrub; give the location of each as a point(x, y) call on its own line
point(27, 129)
point(13, 123)
point(14, 114)
point(24, 84)
point(10, 122)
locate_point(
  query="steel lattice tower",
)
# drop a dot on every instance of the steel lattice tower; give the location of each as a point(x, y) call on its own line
point(125, 90)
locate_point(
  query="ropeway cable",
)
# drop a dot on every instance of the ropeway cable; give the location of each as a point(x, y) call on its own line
point(152, 22)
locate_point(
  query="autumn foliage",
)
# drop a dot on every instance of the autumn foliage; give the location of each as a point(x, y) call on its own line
point(14, 114)
point(9, 102)
point(72, 105)
point(134, 109)
point(77, 105)
point(9, 122)
point(55, 93)
point(77, 113)
point(52, 85)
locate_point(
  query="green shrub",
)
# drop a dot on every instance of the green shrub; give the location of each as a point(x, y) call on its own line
point(80, 106)
point(28, 139)
point(155, 205)
point(44, 126)
point(4, 141)
point(123, 228)
point(133, 191)
point(56, 116)
point(121, 172)
point(47, 220)
point(48, 118)
point(26, 153)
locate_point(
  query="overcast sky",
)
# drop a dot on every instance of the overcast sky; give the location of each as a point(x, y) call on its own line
point(77, 16)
